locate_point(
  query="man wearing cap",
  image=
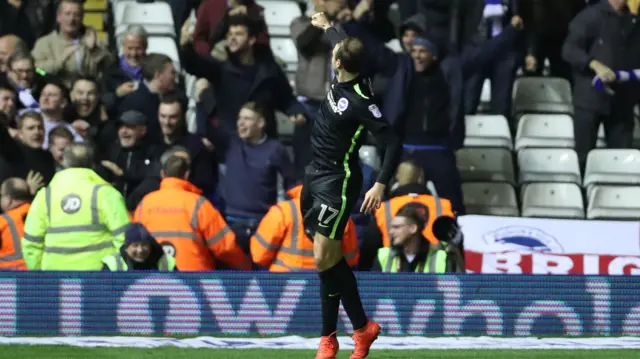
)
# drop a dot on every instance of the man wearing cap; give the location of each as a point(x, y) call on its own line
point(127, 161)
point(140, 251)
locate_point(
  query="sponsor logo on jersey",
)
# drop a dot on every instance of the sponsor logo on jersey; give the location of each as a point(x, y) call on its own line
point(375, 111)
point(343, 103)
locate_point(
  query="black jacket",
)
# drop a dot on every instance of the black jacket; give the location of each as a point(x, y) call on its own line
point(600, 33)
point(16, 159)
point(15, 21)
point(134, 162)
point(112, 78)
point(267, 85)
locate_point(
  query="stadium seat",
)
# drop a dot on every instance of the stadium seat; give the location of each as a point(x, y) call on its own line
point(612, 166)
point(487, 131)
point(548, 165)
point(285, 49)
point(95, 5)
point(369, 156)
point(278, 15)
point(485, 165)
point(545, 131)
point(395, 45)
point(191, 121)
point(614, 202)
point(190, 85)
point(494, 199)
point(155, 17)
point(95, 20)
point(552, 200)
point(542, 95)
point(285, 127)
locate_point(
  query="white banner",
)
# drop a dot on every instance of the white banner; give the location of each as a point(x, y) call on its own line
point(550, 246)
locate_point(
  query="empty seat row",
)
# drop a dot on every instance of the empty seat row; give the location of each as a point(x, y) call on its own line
point(534, 130)
point(604, 166)
point(552, 200)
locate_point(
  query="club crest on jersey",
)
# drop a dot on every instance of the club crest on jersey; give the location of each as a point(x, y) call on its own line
point(375, 111)
point(342, 104)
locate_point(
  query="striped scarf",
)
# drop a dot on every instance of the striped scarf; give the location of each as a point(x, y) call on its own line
point(621, 76)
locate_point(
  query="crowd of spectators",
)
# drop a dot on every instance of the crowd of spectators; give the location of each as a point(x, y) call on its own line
point(218, 185)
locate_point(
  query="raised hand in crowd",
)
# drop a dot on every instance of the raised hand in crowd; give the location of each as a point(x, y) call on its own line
point(12, 132)
point(201, 85)
point(602, 71)
point(35, 181)
point(186, 35)
point(90, 38)
point(81, 127)
point(238, 10)
point(320, 21)
point(362, 9)
point(15, 3)
point(208, 145)
point(345, 15)
point(117, 171)
point(104, 116)
point(125, 89)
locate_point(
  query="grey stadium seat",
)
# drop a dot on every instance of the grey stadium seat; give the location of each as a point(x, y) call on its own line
point(494, 199)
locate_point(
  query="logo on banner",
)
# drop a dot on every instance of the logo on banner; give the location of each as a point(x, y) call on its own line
point(521, 239)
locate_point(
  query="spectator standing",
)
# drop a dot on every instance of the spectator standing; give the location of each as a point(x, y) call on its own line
point(204, 168)
point(603, 38)
point(24, 153)
point(15, 199)
point(212, 22)
point(313, 75)
point(253, 163)
point(87, 116)
point(409, 190)
point(72, 49)
point(186, 224)
point(140, 251)
point(77, 220)
point(281, 244)
point(14, 20)
point(410, 252)
point(159, 79)
point(127, 161)
point(53, 101)
point(22, 76)
point(248, 75)
point(59, 138)
point(121, 79)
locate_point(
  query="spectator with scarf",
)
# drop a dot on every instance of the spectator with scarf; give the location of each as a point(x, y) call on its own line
point(121, 79)
point(27, 81)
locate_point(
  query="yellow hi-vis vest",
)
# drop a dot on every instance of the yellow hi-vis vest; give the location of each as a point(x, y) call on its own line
point(436, 261)
point(115, 262)
point(74, 222)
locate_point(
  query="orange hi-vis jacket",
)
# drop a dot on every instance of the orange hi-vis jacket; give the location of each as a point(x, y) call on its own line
point(189, 228)
point(281, 244)
point(437, 207)
point(11, 232)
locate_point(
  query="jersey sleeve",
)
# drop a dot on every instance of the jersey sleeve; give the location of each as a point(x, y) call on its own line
point(371, 118)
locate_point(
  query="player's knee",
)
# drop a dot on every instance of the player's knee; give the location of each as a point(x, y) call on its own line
point(326, 253)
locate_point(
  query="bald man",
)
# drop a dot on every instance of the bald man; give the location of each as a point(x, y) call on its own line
point(8, 45)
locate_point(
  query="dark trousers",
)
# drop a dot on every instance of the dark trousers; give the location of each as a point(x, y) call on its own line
point(618, 129)
point(502, 74)
point(439, 166)
point(551, 48)
point(243, 229)
point(301, 137)
point(452, 68)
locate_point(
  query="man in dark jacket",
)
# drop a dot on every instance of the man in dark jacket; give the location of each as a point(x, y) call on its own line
point(248, 75)
point(120, 80)
point(140, 252)
point(603, 38)
point(128, 160)
point(24, 153)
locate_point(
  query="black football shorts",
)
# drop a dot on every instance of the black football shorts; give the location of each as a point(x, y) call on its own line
point(327, 199)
